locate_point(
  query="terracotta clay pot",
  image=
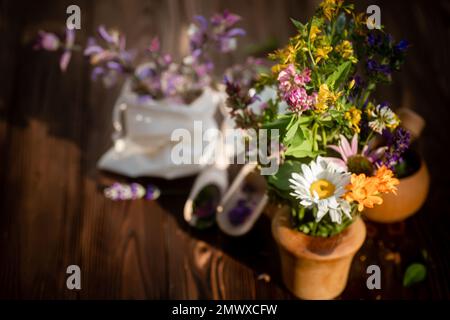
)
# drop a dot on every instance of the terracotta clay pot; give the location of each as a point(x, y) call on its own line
point(411, 121)
point(315, 268)
point(411, 195)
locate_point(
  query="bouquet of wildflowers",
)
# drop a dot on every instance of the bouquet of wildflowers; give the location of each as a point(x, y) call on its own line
point(340, 147)
point(159, 76)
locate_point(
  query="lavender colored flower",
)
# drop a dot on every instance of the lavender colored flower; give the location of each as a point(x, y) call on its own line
point(247, 73)
point(133, 191)
point(153, 192)
point(397, 143)
point(372, 65)
point(161, 77)
point(112, 37)
point(111, 60)
point(222, 32)
point(373, 39)
point(203, 70)
point(239, 101)
point(375, 67)
point(120, 191)
point(226, 19)
point(51, 42)
point(47, 41)
point(68, 47)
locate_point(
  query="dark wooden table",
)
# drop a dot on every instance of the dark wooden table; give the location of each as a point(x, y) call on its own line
point(54, 127)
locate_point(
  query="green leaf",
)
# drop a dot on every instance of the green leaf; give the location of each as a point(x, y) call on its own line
point(280, 180)
point(280, 123)
point(300, 26)
point(291, 131)
point(334, 80)
point(415, 273)
point(340, 24)
point(301, 145)
point(304, 150)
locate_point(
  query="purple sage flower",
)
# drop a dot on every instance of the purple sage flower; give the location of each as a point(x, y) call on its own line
point(47, 41)
point(397, 143)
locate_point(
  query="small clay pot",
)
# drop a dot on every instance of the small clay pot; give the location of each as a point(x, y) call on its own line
point(315, 268)
point(411, 195)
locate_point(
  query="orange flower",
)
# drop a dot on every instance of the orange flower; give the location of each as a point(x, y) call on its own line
point(366, 190)
point(387, 182)
point(363, 190)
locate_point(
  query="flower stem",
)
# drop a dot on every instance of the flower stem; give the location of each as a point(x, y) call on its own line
point(369, 90)
point(324, 136)
point(369, 137)
point(309, 44)
point(314, 132)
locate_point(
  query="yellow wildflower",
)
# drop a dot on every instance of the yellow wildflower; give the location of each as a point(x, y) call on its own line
point(322, 53)
point(313, 33)
point(353, 116)
point(325, 98)
point(345, 48)
point(277, 68)
point(330, 8)
point(360, 22)
point(351, 84)
point(370, 108)
point(322, 99)
point(286, 56)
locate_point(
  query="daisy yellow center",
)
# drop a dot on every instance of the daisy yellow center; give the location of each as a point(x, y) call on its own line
point(323, 188)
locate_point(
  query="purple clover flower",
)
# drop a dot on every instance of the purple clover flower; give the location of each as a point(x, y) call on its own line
point(299, 100)
point(292, 87)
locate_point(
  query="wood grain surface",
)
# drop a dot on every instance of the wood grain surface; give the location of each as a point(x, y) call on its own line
point(54, 127)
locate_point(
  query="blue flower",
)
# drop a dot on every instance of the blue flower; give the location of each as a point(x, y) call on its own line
point(402, 45)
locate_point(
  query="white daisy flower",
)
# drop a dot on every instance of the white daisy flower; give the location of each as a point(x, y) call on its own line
point(322, 184)
point(383, 117)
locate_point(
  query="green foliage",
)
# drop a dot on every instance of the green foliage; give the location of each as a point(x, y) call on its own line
point(337, 78)
point(305, 221)
point(415, 273)
point(298, 24)
point(280, 180)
